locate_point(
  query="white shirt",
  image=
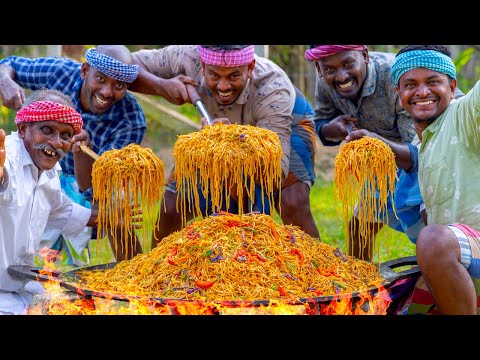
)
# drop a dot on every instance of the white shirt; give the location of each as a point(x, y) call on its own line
point(29, 203)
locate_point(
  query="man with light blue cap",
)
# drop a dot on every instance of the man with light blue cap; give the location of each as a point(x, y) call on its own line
point(112, 119)
point(448, 248)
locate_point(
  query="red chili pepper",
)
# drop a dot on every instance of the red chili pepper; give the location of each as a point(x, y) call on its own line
point(279, 260)
point(295, 251)
point(256, 256)
point(326, 272)
point(241, 252)
point(192, 234)
point(171, 262)
point(182, 259)
point(274, 232)
point(317, 292)
point(232, 223)
point(204, 284)
point(282, 291)
point(174, 250)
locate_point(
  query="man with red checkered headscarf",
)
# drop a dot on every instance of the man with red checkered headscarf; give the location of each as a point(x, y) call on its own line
point(31, 198)
point(239, 87)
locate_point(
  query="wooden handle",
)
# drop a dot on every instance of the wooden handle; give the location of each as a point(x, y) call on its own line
point(89, 152)
point(192, 93)
point(197, 101)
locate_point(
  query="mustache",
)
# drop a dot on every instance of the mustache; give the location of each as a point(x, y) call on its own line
point(47, 147)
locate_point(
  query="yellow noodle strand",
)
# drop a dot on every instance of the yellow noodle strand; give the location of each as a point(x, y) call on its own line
point(361, 167)
point(123, 180)
point(226, 161)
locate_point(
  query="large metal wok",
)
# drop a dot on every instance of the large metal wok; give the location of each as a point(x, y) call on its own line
point(69, 281)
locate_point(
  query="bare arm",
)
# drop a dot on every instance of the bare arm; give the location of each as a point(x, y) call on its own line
point(92, 221)
point(174, 90)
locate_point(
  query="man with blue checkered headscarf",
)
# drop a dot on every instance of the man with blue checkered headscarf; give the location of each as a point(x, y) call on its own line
point(112, 118)
point(448, 248)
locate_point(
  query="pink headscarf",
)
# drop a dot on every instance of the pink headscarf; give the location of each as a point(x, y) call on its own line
point(228, 58)
point(50, 111)
point(322, 51)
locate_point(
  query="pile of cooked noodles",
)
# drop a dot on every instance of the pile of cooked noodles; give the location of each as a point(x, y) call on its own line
point(365, 177)
point(236, 257)
point(226, 161)
point(124, 181)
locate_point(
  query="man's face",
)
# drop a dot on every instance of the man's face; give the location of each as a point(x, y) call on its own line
point(425, 94)
point(226, 83)
point(345, 72)
point(46, 141)
point(99, 92)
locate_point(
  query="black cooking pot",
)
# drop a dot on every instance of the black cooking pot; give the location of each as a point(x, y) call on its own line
point(316, 304)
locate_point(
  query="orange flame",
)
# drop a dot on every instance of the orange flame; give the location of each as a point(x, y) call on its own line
point(60, 301)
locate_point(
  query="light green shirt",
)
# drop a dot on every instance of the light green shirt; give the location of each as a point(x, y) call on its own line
point(449, 163)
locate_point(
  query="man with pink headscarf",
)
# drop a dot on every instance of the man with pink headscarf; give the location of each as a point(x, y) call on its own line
point(353, 86)
point(237, 86)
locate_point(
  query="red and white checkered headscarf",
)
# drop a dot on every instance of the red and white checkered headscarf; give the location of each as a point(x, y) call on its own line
point(50, 111)
point(321, 51)
point(227, 58)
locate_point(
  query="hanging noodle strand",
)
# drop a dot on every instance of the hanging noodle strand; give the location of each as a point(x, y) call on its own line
point(124, 180)
point(363, 167)
point(226, 161)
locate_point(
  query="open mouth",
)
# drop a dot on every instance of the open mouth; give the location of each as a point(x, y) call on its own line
point(346, 85)
point(101, 102)
point(50, 153)
point(225, 97)
point(424, 103)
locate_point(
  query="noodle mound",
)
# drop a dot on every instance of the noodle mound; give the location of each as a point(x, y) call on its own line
point(236, 257)
point(227, 160)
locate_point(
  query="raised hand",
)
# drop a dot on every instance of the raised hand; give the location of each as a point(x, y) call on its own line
point(80, 139)
point(336, 129)
point(11, 94)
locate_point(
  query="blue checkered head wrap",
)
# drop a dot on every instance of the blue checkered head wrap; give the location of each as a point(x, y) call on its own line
point(428, 59)
point(112, 67)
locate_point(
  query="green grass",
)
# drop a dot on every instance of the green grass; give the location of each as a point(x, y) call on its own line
point(392, 244)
